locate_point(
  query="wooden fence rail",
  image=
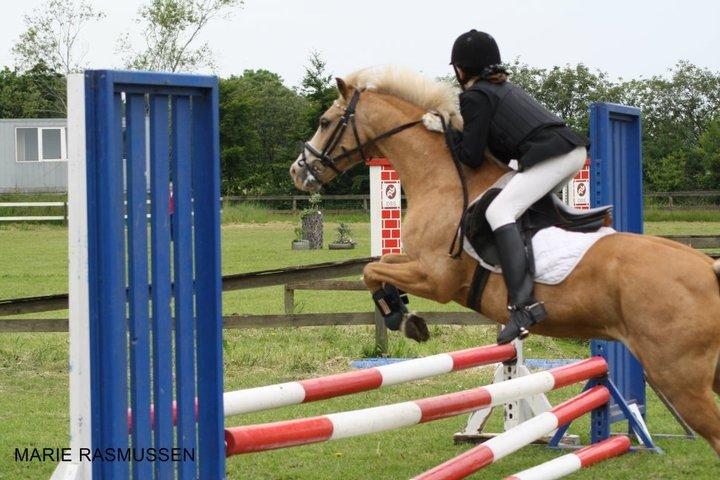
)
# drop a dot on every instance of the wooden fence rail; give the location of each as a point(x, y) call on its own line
point(295, 199)
point(362, 200)
point(673, 196)
point(316, 277)
point(303, 277)
point(238, 322)
point(238, 281)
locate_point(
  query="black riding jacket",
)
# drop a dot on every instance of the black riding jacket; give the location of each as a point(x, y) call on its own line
point(512, 125)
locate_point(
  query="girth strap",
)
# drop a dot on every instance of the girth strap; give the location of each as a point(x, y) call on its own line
point(477, 287)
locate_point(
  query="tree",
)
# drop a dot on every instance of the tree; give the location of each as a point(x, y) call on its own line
point(52, 37)
point(21, 95)
point(677, 111)
point(51, 44)
point(261, 124)
point(318, 87)
point(708, 152)
point(171, 30)
point(567, 91)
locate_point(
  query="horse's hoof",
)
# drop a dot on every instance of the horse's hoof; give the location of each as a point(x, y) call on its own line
point(414, 327)
point(394, 321)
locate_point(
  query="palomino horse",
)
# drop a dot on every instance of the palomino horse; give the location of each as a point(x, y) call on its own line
point(658, 297)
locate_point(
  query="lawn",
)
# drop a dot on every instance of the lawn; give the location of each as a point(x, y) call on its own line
point(33, 367)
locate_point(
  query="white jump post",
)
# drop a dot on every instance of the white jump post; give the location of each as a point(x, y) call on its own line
point(385, 225)
point(385, 208)
point(577, 191)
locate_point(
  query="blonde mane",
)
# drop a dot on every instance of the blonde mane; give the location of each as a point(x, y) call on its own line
point(412, 87)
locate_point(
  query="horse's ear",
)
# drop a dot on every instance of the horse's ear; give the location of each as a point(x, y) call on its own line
point(342, 87)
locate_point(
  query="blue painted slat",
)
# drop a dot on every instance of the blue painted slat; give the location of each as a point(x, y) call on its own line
point(161, 279)
point(139, 325)
point(111, 392)
point(183, 269)
point(206, 195)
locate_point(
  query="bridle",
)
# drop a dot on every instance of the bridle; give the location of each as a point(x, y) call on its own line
point(456, 247)
point(348, 118)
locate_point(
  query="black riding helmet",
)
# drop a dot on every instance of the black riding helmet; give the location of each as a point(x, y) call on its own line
point(474, 51)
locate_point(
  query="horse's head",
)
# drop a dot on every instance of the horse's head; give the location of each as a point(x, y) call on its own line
point(338, 143)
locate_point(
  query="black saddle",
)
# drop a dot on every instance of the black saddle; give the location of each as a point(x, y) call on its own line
point(549, 211)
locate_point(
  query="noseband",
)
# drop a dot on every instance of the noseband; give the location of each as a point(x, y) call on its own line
point(348, 118)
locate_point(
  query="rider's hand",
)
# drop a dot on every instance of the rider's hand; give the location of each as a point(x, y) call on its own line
point(432, 122)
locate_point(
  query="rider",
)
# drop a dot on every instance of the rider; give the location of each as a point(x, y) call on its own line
point(501, 117)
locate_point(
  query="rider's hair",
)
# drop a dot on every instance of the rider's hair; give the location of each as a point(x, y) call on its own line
point(494, 73)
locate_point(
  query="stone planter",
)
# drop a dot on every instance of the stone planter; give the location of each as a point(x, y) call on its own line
point(313, 227)
point(341, 246)
point(301, 245)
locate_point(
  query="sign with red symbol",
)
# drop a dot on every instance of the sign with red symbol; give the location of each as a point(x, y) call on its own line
point(581, 193)
point(391, 194)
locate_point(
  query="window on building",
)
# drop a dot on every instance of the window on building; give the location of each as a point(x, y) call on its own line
point(40, 144)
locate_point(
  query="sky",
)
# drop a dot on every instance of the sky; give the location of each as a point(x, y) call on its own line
point(626, 39)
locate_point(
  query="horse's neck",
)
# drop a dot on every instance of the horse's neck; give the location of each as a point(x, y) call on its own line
point(424, 164)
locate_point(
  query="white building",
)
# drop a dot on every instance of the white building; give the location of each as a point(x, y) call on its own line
point(33, 155)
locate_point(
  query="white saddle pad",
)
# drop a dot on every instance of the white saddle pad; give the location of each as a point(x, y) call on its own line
point(557, 252)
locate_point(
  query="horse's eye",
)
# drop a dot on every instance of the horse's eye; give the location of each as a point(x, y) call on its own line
point(324, 122)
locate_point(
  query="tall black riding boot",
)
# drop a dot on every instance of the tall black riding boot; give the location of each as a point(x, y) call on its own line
point(525, 311)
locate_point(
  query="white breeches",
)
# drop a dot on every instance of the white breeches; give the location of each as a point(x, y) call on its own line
point(529, 186)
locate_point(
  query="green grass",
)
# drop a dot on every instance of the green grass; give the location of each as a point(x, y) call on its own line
point(33, 367)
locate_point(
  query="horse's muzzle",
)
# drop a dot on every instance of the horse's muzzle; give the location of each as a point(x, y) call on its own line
point(303, 179)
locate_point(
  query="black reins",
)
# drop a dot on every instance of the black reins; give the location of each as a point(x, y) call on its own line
point(456, 247)
point(348, 118)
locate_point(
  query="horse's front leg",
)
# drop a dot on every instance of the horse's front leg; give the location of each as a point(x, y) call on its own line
point(389, 258)
point(384, 278)
point(400, 271)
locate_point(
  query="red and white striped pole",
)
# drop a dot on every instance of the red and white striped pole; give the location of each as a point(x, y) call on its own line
point(292, 393)
point(583, 458)
point(303, 391)
point(385, 208)
point(268, 436)
point(514, 439)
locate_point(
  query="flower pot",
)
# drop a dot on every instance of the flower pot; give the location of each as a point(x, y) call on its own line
point(341, 246)
point(301, 245)
point(313, 227)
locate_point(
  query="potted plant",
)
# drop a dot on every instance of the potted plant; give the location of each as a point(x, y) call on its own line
point(300, 242)
point(344, 241)
point(312, 222)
